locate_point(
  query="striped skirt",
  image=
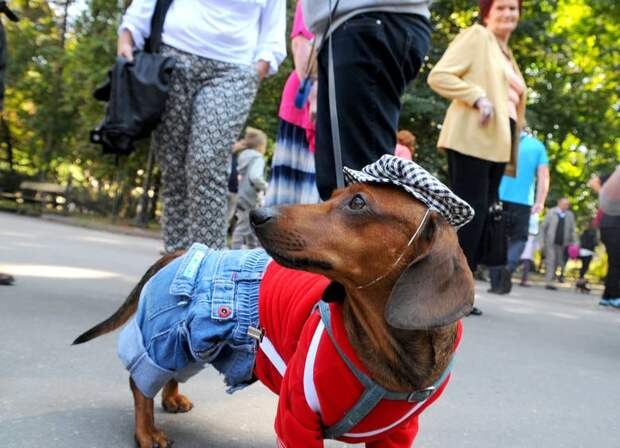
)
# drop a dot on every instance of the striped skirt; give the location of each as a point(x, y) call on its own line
point(293, 178)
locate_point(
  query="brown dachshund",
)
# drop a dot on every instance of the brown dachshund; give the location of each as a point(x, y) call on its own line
point(401, 300)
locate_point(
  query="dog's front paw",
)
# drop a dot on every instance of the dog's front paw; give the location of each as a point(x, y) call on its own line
point(153, 439)
point(177, 403)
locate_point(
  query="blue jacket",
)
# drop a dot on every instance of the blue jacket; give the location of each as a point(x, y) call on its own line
point(196, 310)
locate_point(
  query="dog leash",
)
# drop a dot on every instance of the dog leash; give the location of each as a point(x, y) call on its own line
point(402, 254)
point(333, 111)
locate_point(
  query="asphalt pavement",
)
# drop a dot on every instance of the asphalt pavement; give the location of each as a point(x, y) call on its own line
point(538, 369)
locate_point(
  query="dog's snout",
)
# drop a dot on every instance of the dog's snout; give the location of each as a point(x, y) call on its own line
point(262, 215)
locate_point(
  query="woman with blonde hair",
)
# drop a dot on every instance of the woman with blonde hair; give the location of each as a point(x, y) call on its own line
point(480, 75)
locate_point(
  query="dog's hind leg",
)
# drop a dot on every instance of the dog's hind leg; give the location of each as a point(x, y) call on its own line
point(172, 400)
point(146, 434)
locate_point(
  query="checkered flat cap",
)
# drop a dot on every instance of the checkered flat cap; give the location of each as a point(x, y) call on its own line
point(417, 181)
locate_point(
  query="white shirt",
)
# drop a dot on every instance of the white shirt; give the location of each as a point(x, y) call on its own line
point(235, 31)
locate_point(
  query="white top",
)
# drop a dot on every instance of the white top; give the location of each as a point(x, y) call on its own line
point(236, 31)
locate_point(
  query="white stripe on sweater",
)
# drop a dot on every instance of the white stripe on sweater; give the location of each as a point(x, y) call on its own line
point(272, 354)
point(312, 397)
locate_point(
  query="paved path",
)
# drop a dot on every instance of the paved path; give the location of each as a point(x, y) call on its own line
point(538, 369)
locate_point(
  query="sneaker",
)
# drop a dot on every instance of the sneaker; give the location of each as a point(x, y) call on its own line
point(551, 287)
point(605, 302)
point(524, 285)
point(615, 302)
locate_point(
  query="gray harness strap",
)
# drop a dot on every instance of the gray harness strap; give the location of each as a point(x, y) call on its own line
point(373, 392)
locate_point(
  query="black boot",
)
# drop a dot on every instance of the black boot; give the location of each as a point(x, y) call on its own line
point(582, 286)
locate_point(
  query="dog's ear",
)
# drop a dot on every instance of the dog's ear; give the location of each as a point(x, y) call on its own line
point(435, 289)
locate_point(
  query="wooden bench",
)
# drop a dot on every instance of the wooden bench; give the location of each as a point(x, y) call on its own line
point(40, 194)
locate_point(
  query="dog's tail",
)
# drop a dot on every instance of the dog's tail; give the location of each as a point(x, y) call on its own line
point(130, 305)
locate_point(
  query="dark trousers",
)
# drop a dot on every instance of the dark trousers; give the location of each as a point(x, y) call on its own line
point(611, 239)
point(375, 56)
point(585, 265)
point(516, 219)
point(477, 182)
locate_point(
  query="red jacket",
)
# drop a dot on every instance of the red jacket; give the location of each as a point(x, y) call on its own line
point(317, 388)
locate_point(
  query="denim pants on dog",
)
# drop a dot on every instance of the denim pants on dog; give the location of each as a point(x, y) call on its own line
point(196, 310)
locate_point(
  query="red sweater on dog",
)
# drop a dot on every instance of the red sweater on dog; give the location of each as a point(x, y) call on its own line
point(317, 388)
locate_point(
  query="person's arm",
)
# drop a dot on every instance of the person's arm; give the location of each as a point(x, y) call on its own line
point(446, 77)
point(256, 172)
point(609, 194)
point(271, 45)
point(135, 27)
point(302, 48)
point(542, 188)
point(301, 43)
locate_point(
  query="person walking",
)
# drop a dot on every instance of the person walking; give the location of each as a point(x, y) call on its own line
point(222, 50)
point(251, 169)
point(608, 187)
point(480, 75)
point(587, 243)
point(517, 196)
point(5, 279)
point(293, 176)
point(378, 48)
point(558, 231)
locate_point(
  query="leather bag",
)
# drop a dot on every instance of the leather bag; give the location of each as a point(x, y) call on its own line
point(135, 93)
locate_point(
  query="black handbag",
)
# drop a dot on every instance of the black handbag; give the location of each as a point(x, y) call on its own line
point(135, 93)
point(494, 245)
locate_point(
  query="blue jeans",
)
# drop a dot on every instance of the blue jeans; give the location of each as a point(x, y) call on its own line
point(194, 311)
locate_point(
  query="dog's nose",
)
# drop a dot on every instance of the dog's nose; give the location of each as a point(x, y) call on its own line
point(260, 216)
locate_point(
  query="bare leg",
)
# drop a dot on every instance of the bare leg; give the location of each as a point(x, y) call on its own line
point(172, 400)
point(146, 435)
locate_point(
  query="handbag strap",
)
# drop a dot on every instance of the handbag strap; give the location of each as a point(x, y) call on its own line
point(333, 109)
point(153, 43)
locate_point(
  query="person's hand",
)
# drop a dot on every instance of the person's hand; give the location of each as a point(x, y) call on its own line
point(262, 67)
point(238, 145)
point(595, 183)
point(537, 208)
point(124, 46)
point(485, 108)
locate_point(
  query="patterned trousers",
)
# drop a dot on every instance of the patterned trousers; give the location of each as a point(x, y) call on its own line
point(209, 102)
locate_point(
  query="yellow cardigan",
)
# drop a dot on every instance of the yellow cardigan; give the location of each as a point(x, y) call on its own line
point(474, 66)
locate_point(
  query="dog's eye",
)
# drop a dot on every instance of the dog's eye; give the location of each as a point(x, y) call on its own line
point(357, 203)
